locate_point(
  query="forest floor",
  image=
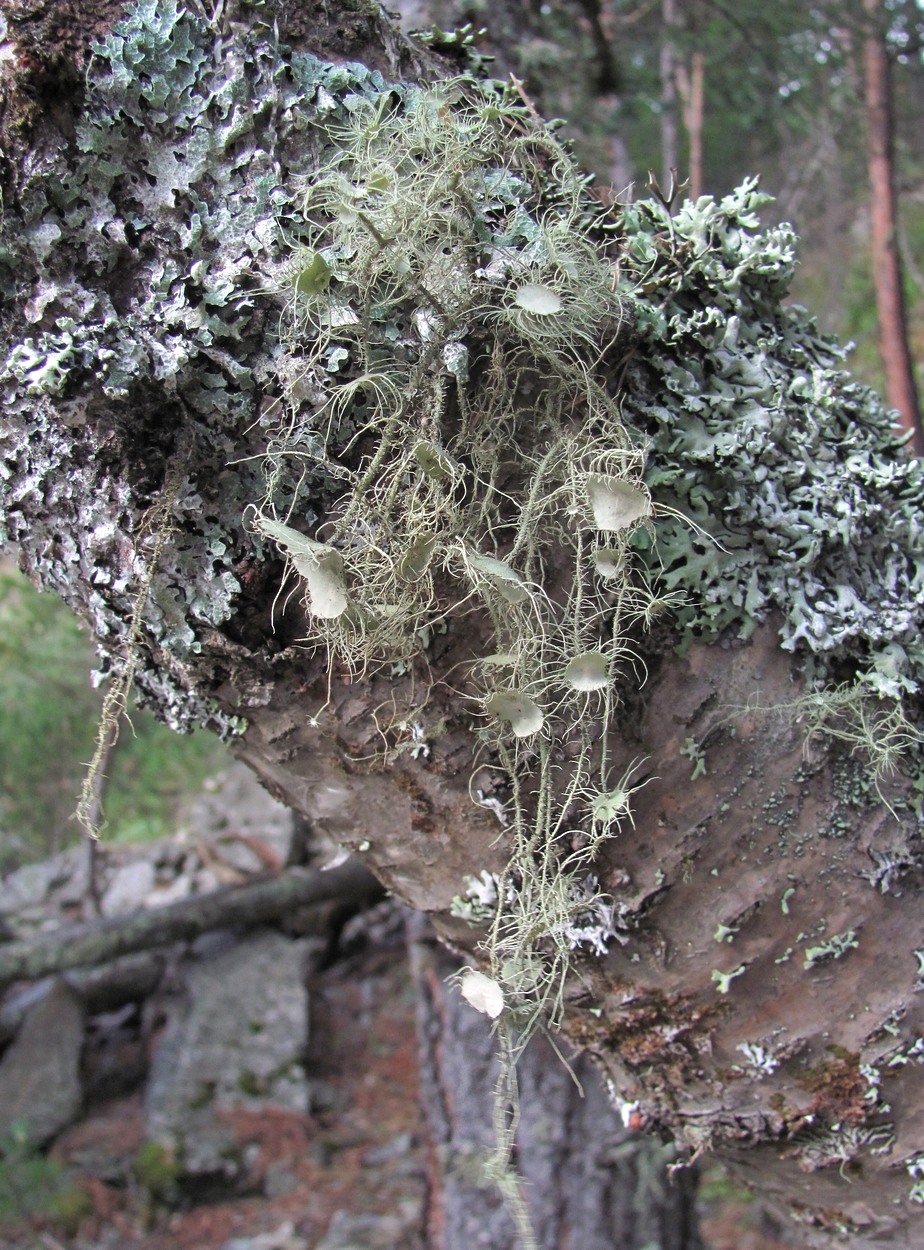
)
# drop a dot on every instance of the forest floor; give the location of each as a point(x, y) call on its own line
point(352, 1170)
point(352, 1174)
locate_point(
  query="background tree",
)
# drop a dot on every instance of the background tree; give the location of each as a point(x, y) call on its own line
point(271, 317)
point(901, 389)
point(780, 89)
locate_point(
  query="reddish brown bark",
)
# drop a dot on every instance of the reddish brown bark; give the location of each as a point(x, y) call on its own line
point(687, 81)
point(669, 74)
point(588, 1181)
point(901, 389)
point(693, 116)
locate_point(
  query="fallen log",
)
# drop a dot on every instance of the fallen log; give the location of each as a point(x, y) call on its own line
point(128, 979)
point(237, 907)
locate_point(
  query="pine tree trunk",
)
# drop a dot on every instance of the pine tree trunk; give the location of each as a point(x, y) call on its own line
point(588, 1181)
point(694, 115)
point(670, 157)
point(894, 351)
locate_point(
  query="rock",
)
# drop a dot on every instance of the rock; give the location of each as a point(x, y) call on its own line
point(172, 891)
point(72, 891)
point(17, 1003)
point(238, 854)
point(30, 885)
point(129, 888)
point(40, 1072)
point(282, 1238)
point(105, 1144)
point(236, 803)
point(347, 1231)
point(234, 1043)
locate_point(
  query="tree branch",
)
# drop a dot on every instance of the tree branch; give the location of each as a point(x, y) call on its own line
point(235, 907)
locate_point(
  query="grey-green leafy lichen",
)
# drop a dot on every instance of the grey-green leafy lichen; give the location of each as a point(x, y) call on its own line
point(388, 327)
point(149, 235)
point(145, 238)
point(791, 469)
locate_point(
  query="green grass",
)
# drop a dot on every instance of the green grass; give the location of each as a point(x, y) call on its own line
point(48, 719)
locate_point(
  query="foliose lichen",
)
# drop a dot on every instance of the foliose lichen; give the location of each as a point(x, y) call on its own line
point(792, 470)
point(380, 335)
point(145, 237)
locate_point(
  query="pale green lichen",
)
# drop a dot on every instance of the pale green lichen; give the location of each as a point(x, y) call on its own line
point(449, 291)
point(834, 947)
point(723, 980)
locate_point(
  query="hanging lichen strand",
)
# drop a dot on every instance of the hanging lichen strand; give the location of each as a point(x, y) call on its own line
point(447, 328)
point(446, 338)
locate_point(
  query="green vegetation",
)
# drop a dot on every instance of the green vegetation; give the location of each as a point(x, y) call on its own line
point(157, 1171)
point(35, 1190)
point(49, 714)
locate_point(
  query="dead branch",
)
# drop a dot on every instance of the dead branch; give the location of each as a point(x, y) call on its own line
point(235, 907)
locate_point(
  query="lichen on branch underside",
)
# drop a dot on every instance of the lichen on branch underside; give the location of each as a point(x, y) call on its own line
point(424, 379)
point(451, 333)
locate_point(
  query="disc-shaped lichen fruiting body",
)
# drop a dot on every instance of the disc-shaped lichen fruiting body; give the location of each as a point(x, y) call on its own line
point(321, 566)
point(416, 560)
point(322, 569)
point(536, 298)
point(483, 993)
point(435, 462)
point(588, 671)
point(312, 274)
point(609, 562)
point(615, 503)
point(503, 577)
point(518, 710)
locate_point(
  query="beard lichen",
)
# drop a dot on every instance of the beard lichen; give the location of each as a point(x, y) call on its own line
point(470, 353)
point(449, 340)
point(499, 410)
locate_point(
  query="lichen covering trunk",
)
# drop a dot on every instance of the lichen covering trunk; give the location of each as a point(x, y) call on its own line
point(536, 552)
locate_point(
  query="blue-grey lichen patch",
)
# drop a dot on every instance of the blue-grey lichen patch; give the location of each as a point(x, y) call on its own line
point(146, 237)
point(792, 470)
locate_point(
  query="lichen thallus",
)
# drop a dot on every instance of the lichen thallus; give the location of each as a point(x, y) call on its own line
point(449, 334)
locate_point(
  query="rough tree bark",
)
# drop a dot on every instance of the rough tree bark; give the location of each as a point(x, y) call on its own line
point(587, 1182)
point(757, 994)
point(894, 351)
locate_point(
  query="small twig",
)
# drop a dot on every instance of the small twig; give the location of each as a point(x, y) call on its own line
point(530, 107)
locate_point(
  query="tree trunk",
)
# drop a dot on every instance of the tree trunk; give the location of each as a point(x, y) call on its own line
point(670, 157)
point(588, 1181)
point(694, 111)
point(690, 85)
point(464, 425)
point(897, 364)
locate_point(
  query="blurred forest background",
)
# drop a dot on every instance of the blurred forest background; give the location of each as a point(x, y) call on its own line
point(717, 90)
